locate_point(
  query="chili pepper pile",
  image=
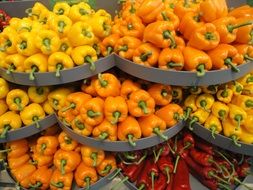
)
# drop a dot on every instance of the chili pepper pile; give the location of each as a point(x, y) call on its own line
point(54, 40)
point(182, 35)
point(4, 20)
point(55, 161)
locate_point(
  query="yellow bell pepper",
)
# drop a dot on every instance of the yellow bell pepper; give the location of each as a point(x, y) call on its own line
point(14, 62)
point(26, 44)
point(46, 17)
point(236, 87)
point(225, 95)
point(17, 99)
point(37, 27)
point(48, 41)
point(57, 97)
point(205, 101)
point(101, 26)
point(84, 54)
point(246, 79)
point(4, 88)
point(59, 61)
point(61, 8)
point(213, 124)
point(248, 124)
point(189, 105)
point(65, 46)
point(212, 89)
point(80, 11)
point(61, 24)
point(80, 34)
point(96, 45)
point(38, 94)
point(4, 107)
point(243, 101)
point(24, 25)
point(14, 23)
point(103, 13)
point(229, 130)
point(248, 90)
point(48, 108)
point(35, 63)
point(8, 40)
point(9, 121)
point(2, 57)
point(32, 114)
point(245, 136)
point(36, 10)
point(79, 126)
point(237, 115)
point(220, 110)
point(195, 90)
point(199, 116)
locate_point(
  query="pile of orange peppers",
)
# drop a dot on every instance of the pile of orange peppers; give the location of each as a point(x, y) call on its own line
point(195, 36)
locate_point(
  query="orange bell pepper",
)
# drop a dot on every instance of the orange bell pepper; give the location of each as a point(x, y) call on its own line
point(129, 130)
point(47, 145)
point(161, 34)
point(59, 181)
point(40, 160)
point(140, 103)
point(66, 117)
point(129, 9)
point(105, 131)
point(183, 7)
point(152, 124)
point(107, 165)
point(116, 28)
point(14, 163)
point(67, 143)
point(162, 94)
point(180, 43)
point(126, 45)
point(171, 114)
point(242, 11)
point(246, 52)
point(81, 127)
point(17, 148)
point(244, 34)
point(196, 60)
point(127, 87)
point(108, 44)
point(171, 59)
point(66, 161)
point(92, 112)
point(169, 16)
point(107, 84)
point(41, 178)
point(92, 157)
point(146, 54)
point(85, 176)
point(88, 86)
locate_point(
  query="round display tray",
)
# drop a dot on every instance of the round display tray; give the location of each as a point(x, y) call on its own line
point(67, 76)
point(181, 78)
point(121, 146)
point(222, 141)
point(30, 130)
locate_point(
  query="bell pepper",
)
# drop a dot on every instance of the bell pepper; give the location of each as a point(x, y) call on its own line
point(61, 8)
point(14, 62)
point(229, 130)
point(211, 89)
point(103, 13)
point(14, 163)
point(243, 101)
point(58, 97)
point(107, 85)
point(128, 9)
point(67, 143)
point(236, 87)
point(245, 136)
point(227, 28)
point(225, 95)
point(195, 90)
point(92, 112)
point(46, 17)
point(244, 34)
point(149, 9)
point(2, 57)
point(17, 148)
point(4, 88)
point(36, 10)
point(41, 178)
point(9, 121)
point(65, 46)
point(105, 131)
point(61, 24)
point(32, 114)
point(24, 25)
point(59, 61)
point(246, 52)
point(213, 124)
point(220, 110)
point(237, 115)
point(146, 54)
point(213, 9)
point(40, 160)
point(189, 23)
point(14, 22)
point(38, 94)
point(92, 157)
point(199, 116)
point(79, 125)
point(35, 63)
point(80, 11)
point(85, 176)
point(162, 94)
point(84, 54)
point(116, 28)
point(8, 41)
point(196, 60)
point(66, 161)
point(180, 43)
point(129, 130)
point(169, 16)
point(26, 44)
point(88, 86)
point(152, 124)
point(161, 34)
point(107, 165)
point(241, 11)
point(205, 101)
point(177, 94)
point(59, 181)
point(248, 90)
point(248, 123)
point(225, 56)
point(126, 45)
point(205, 37)
point(183, 7)
point(171, 59)
point(108, 44)
point(127, 87)
point(190, 105)
point(4, 107)
point(47, 145)
point(17, 99)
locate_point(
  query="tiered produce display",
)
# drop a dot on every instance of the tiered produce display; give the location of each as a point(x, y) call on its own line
point(88, 97)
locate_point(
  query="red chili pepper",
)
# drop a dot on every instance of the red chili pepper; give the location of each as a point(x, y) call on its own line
point(170, 186)
point(161, 150)
point(152, 171)
point(188, 140)
point(181, 152)
point(143, 182)
point(202, 158)
point(160, 183)
point(181, 179)
point(166, 166)
point(202, 145)
point(244, 170)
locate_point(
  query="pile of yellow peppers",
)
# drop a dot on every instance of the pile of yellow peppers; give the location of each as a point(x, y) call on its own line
point(226, 109)
point(50, 41)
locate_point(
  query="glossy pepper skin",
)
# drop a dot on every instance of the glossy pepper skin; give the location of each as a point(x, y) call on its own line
point(127, 87)
point(38, 94)
point(229, 130)
point(80, 126)
point(108, 44)
point(88, 86)
point(92, 157)
point(47, 145)
point(41, 178)
point(244, 34)
point(17, 148)
point(246, 51)
point(205, 101)
point(4, 107)
point(67, 143)
point(213, 124)
point(162, 94)
point(105, 131)
point(196, 60)
point(225, 95)
point(61, 24)
point(183, 7)
point(107, 165)
point(14, 163)
point(65, 46)
point(236, 87)
point(199, 116)
point(17, 99)
point(26, 44)
point(190, 105)
point(220, 110)
point(14, 63)
point(244, 102)
point(168, 15)
point(40, 160)
point(59, 181)
point(132, 26)
point(61, 8)
point(80, 12)
point(237, 115)
point(245, 136)
point(8, 40)
point(4, 88)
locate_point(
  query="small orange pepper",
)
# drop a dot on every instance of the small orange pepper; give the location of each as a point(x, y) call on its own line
point(59, 181)
point(105, 131)
point(66, 143)
point(127, 87)
point(108, 44)
point(107, 165)
point(92, 157)
point(47, 145)
point(162, 94)
point(41, 178)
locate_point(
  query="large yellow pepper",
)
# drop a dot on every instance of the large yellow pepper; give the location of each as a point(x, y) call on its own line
point(237, 115)
point(65, 46)
point(101, 26)
point(103, 13)
point(36, 10)
point(229, 130)
point(199, 116)
point(225, 95)
point(61, 8)
point(4, 88)
point(46, 17)
point(246, 79)
point(17, 99)
point(80, 11)
point(220, 110)
point(243, 101)
point(24, 25)
point(14, 62)
point(48, 108)
point(26, 44)
point(248, 124)
point(61, 24)
point(205, 101)
point(32, 114)
point(38, 94)
point(245, 136)
point(8, 40)
point(213, 124)
point(9, 121)
point(37, 27)
point(189, 105)
point(3, 107)
point(14, 22)
point(236, 87)
point(59, 61)
point(2, 57)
